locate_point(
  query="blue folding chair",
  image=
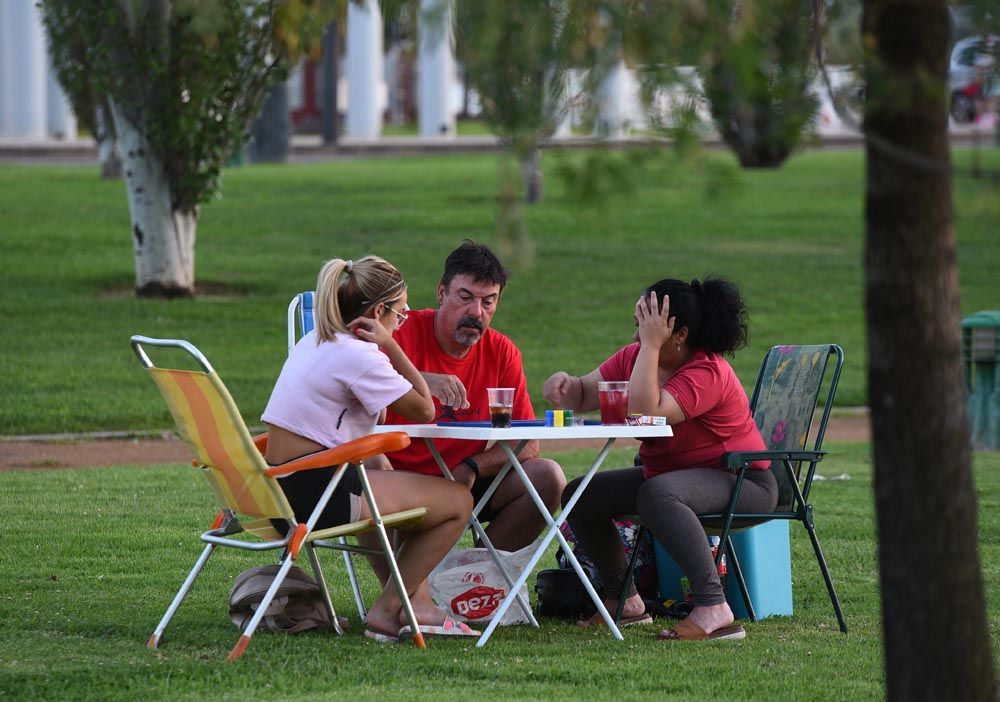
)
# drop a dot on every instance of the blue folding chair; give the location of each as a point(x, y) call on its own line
point(300, 323)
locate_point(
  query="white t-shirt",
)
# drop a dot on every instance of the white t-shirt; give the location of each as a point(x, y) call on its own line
point(333, 392)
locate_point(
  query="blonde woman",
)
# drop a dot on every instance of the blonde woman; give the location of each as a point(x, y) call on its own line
point(336, 383)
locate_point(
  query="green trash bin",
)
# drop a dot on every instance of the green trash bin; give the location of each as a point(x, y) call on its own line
point(981, 362)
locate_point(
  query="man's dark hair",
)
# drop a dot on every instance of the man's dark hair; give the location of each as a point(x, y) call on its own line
point(474, 260)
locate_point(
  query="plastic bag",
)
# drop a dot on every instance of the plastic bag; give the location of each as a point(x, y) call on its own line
point(468, 585)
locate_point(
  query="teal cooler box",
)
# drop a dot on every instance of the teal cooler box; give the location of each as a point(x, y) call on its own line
point(765, 558)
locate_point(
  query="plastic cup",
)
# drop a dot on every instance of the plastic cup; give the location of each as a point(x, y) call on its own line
point(501, 406)
point(613, 396)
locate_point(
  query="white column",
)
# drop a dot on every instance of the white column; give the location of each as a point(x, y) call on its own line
point(435, 69)
point(613, 105)
point(5, 63)
point(567, 115)
point(364, 70)
point(23, 63)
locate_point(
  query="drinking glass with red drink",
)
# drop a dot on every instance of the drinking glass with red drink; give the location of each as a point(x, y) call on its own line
point(613, 396)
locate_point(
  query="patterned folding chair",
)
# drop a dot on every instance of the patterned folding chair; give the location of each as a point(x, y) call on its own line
point(789, 387)
point(247, 490)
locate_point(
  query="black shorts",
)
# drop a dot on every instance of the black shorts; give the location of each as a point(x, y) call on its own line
point(479, 489)
point(303, 490)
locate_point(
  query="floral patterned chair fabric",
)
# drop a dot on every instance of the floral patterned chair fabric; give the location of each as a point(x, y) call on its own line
point(788, 391)
point(784, 403)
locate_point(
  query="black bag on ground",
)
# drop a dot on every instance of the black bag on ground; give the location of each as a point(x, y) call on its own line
point(560, 593)
point(297, 606)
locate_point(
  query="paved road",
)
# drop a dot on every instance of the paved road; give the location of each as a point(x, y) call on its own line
point(310, 148)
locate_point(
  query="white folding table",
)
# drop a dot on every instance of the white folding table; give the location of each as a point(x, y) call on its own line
point(512, 440)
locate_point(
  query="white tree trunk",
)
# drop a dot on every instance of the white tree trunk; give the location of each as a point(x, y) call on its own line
point(107, 144)
point(531, 174)
point(162, 237)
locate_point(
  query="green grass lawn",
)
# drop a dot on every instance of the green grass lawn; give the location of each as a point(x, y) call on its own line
point(91, 558)
point(792, 238)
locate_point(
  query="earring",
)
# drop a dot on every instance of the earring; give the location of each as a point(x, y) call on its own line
point(678, 347)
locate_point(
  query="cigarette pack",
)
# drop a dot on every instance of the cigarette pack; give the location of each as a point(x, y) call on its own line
point(645, 420)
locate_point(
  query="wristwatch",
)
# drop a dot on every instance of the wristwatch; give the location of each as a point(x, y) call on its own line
point(473, 466)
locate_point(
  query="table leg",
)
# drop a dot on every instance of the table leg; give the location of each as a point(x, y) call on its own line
point(554, 533)
point(477, 527)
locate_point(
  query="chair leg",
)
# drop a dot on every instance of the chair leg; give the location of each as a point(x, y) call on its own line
point(154, 640)
point(353, 577)
point(404, 597)
point(630, 570)
point(826, 576)
point(265, 603)
point(734, 561)
point(321, 581)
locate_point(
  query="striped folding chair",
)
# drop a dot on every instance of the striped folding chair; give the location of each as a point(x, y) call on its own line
point(247, 490)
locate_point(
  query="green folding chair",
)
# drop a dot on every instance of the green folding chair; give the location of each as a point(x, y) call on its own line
point(784, 401)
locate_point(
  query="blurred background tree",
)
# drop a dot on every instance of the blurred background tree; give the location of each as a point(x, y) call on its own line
point(183, 80)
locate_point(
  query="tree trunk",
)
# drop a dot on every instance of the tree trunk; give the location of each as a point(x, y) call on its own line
point(531, 174)
point(107, 143)
point(272, 131)
point(163, 236)
point(937, 644)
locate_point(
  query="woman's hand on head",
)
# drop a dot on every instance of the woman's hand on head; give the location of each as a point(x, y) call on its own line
point(655, 323)
point(368, 329)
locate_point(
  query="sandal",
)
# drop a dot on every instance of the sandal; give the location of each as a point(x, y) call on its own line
point(685, 630)
point(449, 627)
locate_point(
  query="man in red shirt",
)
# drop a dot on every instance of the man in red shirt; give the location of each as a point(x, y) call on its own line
point(460, 356)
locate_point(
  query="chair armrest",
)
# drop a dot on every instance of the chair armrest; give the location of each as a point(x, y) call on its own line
point(260, 441)
point(351, 452)
point(736, 459)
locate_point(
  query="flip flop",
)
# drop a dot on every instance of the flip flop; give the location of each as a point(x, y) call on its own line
point(644, 618)
point(381, 636)
point(685, 630)
point(449, 627)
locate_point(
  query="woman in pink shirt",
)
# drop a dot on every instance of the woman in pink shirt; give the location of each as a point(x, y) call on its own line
point(675, 370)
point(336, 383)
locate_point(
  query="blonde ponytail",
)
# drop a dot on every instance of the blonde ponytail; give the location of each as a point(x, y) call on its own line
point(346, 290)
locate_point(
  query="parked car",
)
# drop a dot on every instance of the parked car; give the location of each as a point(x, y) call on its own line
point(971, 73)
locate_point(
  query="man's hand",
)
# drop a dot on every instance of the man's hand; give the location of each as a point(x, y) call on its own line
point(559, 390)
point(448, 389)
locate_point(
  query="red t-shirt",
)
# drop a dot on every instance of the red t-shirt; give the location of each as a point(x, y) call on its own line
point(717, 410)
point(492, 362)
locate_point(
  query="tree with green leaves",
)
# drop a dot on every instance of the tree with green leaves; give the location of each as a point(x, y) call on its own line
point(758, 78)
point(183, 79)
point(515, 56)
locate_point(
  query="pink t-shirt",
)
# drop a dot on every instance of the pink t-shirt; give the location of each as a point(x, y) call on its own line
point(332, 392)
point(715, 405)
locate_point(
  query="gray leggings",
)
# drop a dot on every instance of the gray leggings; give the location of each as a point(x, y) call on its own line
point(667, 504)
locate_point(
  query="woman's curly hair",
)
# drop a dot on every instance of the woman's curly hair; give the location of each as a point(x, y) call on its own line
point(713, 311)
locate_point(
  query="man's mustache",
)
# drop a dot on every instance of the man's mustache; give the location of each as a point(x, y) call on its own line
point(470, 322)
